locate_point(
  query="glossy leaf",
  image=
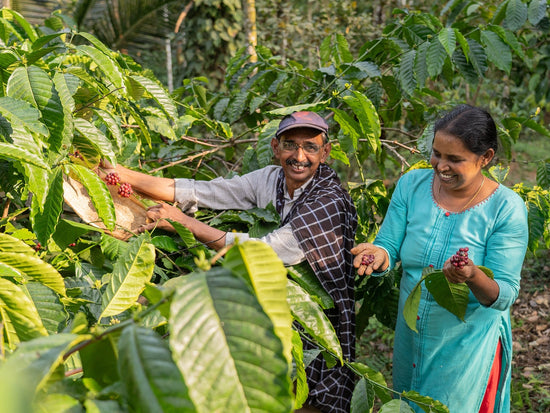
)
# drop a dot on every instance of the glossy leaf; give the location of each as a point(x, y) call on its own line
point(22, 113)
point(304, 276)
point(96, 138)
point(20, 310)
point(406, 72)
point(368, 118)
point(497, 51)
point(435, 58)
point(516, 14)
point(225, 346)
point(257, 263)
point(426, 403)
point(311, 316)
point(362, 399)
point(159, 95)
point(447, 38)
point(51, 310)
point(45, 216)
point(107, 65)
point(150, 377)
point(99, 194)
point(537, 11)
point(132, 270)
point(453, 297)
point(300, 379)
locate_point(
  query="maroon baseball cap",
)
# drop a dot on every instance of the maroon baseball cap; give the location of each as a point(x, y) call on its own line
point(302, 120)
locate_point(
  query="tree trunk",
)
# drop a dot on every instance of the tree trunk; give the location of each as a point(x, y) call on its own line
point(251, 32)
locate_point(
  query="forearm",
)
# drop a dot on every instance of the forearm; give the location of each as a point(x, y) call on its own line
point(485, 289)
point(212, 237)
point(152, 186)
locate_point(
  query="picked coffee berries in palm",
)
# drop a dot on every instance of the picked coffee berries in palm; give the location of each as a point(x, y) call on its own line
point(112, 178)
point(367, 259)
point(125, 190)
point(460, 259)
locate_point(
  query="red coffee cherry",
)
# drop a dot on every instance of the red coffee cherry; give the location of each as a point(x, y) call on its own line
point(125, 190)
point(112, 178)
point(367, 259)
point(460, 259)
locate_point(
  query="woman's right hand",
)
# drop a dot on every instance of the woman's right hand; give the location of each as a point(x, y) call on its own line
point(378, 256)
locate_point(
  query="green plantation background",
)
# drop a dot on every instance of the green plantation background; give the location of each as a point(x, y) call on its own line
point(92, 323)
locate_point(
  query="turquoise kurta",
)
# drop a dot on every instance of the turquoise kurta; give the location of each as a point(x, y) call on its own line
point(450, 360)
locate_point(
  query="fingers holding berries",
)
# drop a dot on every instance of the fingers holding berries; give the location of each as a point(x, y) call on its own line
point(459, 267)
point(369, 258)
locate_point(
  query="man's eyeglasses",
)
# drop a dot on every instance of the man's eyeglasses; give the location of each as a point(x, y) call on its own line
point(289, 146)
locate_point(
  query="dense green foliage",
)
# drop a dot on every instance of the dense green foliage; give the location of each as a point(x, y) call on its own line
point(84, 314)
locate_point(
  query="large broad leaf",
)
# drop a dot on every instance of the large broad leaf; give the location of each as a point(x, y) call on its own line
point(21, 311)
point(405, 72)
point(225, 346)
point(304, 275)
point(96, 138)
point(263, 147)
point(447, 37)
point(435, 57)
point(351, 129)
point(362, 399)
point(152, 381)
point(22, 113)
point(36, 362)
point(113, 125)
point(427, 404)
point(50, 308)
point(498, 52)
point(374, 377)
point(301, 389)
point(516, 14)
point(396, 406)
point(536, 11)
point(131, 271)
point(107, 65)
point(100, 195)
point(44, 217)
point(477, 56)
point(312, 318)
point(259, 265)
point(368, 118)
point(33, 85)
point(37, 183)
point(160, 96)
point(453, 297)
point(30, 267)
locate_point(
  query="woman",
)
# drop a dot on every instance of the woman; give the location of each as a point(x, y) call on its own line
point(433, 213)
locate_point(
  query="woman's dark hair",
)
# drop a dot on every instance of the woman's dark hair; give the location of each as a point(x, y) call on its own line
point(473, 126)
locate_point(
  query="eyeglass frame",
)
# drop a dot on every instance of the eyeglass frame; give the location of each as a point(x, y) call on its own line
point(296, 145)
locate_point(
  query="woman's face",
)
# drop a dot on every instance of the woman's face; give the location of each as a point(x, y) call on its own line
point(455, 165)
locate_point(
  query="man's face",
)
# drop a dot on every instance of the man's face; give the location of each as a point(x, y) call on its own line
point(300, 151)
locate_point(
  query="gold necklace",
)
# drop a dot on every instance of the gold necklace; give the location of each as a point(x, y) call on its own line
point(471, 199)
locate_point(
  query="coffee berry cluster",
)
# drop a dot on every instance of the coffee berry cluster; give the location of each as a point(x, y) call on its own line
point(124, 189)
point(460, 259)
point(367, 259)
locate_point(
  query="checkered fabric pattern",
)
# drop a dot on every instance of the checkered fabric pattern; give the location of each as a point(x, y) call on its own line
point(324, 221)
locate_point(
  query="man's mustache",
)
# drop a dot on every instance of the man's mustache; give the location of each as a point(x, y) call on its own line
point(294, 162)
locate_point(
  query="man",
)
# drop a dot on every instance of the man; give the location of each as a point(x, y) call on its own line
point(318, 223)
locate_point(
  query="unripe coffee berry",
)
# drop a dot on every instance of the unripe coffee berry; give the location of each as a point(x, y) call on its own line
point(125, 190)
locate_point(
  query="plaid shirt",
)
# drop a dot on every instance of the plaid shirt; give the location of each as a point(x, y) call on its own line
point(324, 222)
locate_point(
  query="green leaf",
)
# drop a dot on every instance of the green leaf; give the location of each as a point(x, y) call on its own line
point(342, 48)
point(497, 51)
point(33, 85)
point(410, 309)
point(131, 272)
point(159, 95)
point(150, 377)
point(195, 247)
point(305, 277)
point(374, 377)
point(516, 15)
point(536, 11)
point(257, 263)
point(306, 106)
point(427, 404)
point(20, 310)
point(96, 138)
point(453, 297)
point(225, 346)
point(100, 195)
point(368, 118)
point(362, 399)
point(543, 175)
point(113, 125)
point(397, 405)
point(477, 56)
point(351, 131)
point(100, 361)
point(435, 58)
point(31, 267)
point(447, 38)
point(106, 64)
point(52, 312)
point(22, 113)
point(263, 147)
point(312, 318)
point(406, 72)
point(25, 25)
point(301, 387)
point(44, 216)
